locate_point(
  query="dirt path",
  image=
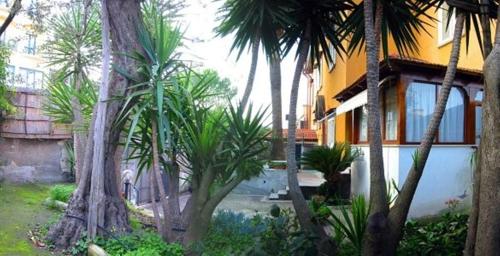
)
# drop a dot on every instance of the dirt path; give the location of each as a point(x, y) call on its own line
point(20, 210)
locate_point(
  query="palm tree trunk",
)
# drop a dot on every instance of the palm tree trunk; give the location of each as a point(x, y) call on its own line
point(399, 212)
point(159, 181)
point(253, 68)
point(79, 136)
point(277, 146)
point(324, 244)
point(152, 194)
point(488, 223)
point(472, 223)
point(375, 232)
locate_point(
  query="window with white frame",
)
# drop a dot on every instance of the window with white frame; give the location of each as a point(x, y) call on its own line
point(446, 25)
point(391, 113)
point(29, 78)
point(30, 47)
point(363, 124)
point(331, 131)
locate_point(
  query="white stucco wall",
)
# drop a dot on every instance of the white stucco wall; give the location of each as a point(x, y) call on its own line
point(447, 175)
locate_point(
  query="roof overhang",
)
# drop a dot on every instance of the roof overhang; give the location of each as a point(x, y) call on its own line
point(396, 65)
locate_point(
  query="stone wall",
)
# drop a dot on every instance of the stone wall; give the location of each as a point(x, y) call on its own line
point(31, 145)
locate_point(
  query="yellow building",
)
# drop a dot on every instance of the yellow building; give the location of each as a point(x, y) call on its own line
point(26, 67)
point(344, 83)
point(408, 92)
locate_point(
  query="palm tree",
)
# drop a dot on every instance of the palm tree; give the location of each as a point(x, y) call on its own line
point(74, 52)
point(258, 22)
point(379, 17)
point(313, 25)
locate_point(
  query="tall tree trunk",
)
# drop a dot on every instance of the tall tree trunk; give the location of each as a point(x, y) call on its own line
point(97, 196)
point(159, 181)
point(79, 134)
point(324, 244)
point(277, 145)
point(399, 212)
point(152, 194)
point(124, 17)
point(488, 223)
point(379, 208)
point(253, 68)
point(472, 223)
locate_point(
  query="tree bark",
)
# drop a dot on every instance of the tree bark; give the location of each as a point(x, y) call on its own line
point(472, 223)
point(152, 194)
point(488, 222)
point(124, 16)
point(16, 7)
point(159, 181)
point(79, 136)
point(324, 244)
point(399, 212)
point(253, 68)
point(277, 144)
point(377, 225)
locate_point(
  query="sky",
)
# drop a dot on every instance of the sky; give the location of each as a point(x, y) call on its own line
point(199, 20)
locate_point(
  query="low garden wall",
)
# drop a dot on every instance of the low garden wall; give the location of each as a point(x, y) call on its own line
point(31, 145)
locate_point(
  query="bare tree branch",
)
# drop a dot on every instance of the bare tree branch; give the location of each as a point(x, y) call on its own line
point(16, 7)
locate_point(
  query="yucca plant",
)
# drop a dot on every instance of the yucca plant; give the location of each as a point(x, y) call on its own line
point(330, 161)
point(59, 99)
point(351, 223)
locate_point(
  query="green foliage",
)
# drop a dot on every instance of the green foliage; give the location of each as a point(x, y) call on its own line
point(351, 224)
point(330, 161)
point(5, 93)
point(139, 244)
point(315, 24)
point(267, 17)
point(444, 235)
point(75, 45)
point(62, 192)
point(58, 102)
point(401, 22)
point(229, 234)
point(235, 234)
point(219, 92)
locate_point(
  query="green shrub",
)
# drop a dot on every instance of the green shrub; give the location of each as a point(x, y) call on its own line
point(140, 244)
point(135, 244)
point(234, 234)
point(445, 235)
point(229, 234)
point(351, 224)
point(62, 192)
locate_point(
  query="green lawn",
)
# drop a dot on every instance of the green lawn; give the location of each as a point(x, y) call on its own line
point(20, 210)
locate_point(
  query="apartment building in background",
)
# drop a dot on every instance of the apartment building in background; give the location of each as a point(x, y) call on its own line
point(26, 67)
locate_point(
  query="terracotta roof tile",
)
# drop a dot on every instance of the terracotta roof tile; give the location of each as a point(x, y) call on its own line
point(303, 134)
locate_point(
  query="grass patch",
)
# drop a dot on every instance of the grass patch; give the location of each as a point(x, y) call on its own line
point(20, 210)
